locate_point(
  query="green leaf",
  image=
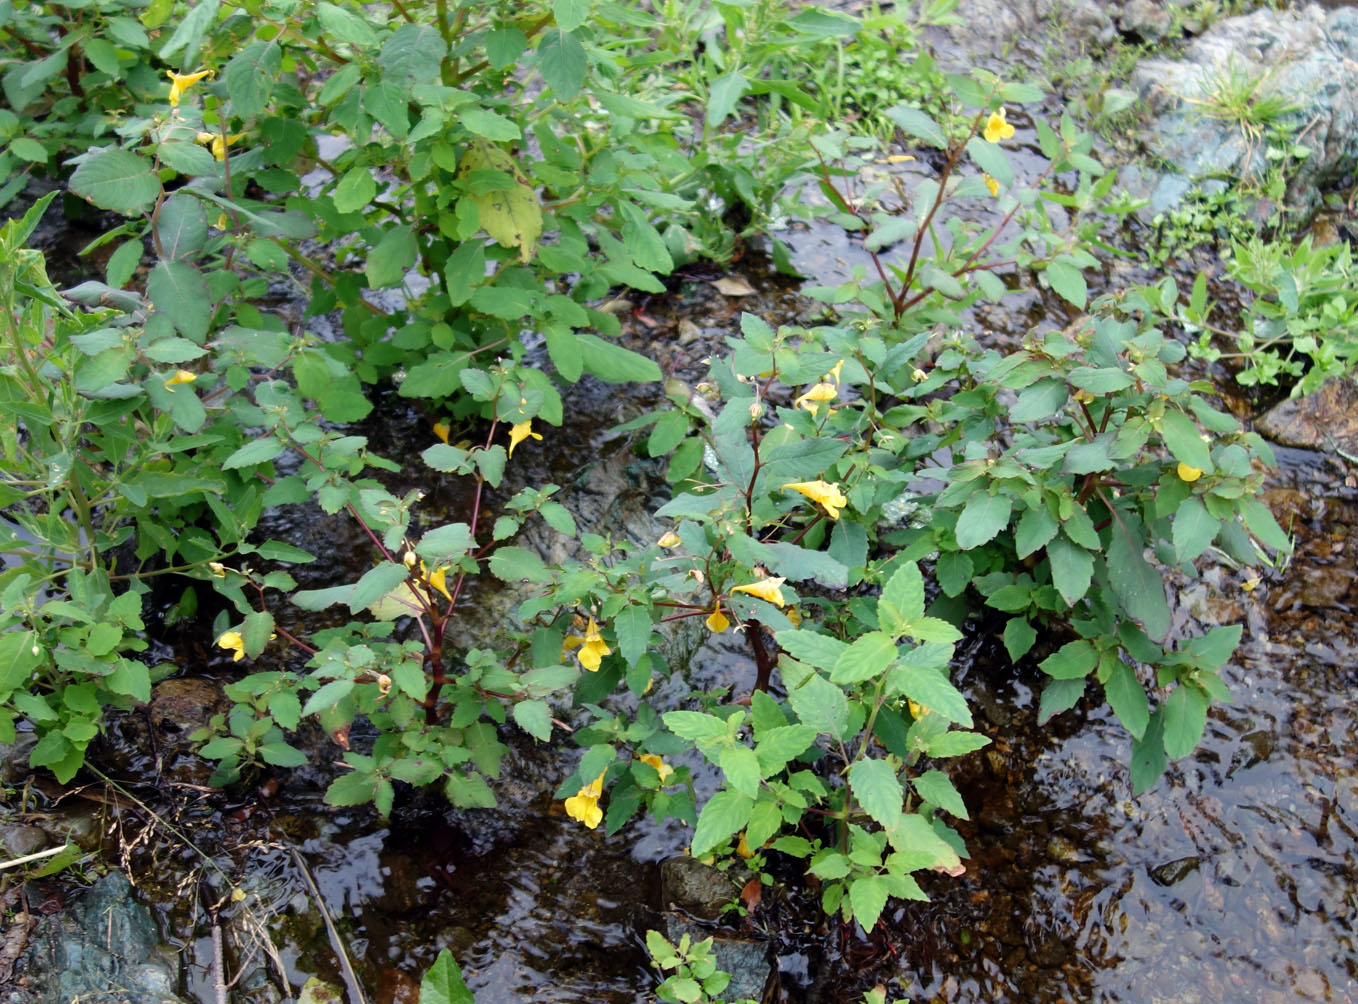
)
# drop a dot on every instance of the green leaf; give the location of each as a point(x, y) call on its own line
point(991, 158)
point(1185, 718)
point(1194, 529)
point(1259, 519)
point(878, 790)
point(451, 541)
point(632, 625)
point(1019, 636)
point(328, 696)
point(613, 363)
point(695, 726)
point(1068, 282)
point(178, 290)
point(725, 813)
point(394, 254)
point(1072, 569)
point(250, 77)
point(818, 650)
point(904, 591)
point(777, 745)
point(376, 583)
point(936, 788)
point(867, 657)
point(983, 517)
point(535, 718)
point(488, 125)
point(915, 122)
point(118, 180)
point(1138, 586)
point(257, 451)
point(256, 632)
point(1059, 696)
point(1148, 754)
point(741, 767)
point(355, 190)
point(344, 25)
point(867, 898)
point(443, 983)
point(412, 55)
point(820, 704)
point(1127, 698)
point(726, 90)
point(1181, 436)
point(1040, 401)
point(562, 62)
point(1072, 661)
point(1035, 528)
point(932, 689)
point(181, 226)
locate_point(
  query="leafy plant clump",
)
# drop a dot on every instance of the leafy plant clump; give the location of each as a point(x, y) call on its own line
point(451, 191)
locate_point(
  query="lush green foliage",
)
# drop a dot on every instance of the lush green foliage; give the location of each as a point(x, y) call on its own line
point(451, 193)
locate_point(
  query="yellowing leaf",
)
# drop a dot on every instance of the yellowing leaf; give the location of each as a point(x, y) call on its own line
point(511, 215)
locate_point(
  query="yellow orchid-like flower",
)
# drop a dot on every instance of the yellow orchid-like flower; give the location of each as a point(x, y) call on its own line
point(717, 622)
point(438, 578)
point(233, 642)
point(918, 711)
point(743, 847)
point(1187, 473)
point(918, 375)
point(592, 646)
point(669, 539)
point(218, 143)
point(520, 431)
point(997, 127)
point(217, 569)
point(181, 377)
point(822, 492)
point(442, 429)
point(833, 376)
point(768, 590)
point(817, 395)
point(584, 804)
point(661, 767)
point(1083, 396)
point(991, 183)
point(181, 82)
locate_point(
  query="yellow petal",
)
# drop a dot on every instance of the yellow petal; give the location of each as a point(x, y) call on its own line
point(822, 492)
point(997, 127)
point(593, 649)
point(233, 642)
point(717, 621)
point(991, 184)
point(180, 377)
point(441, 429)
point(669, 539)
point(1187, 473)
point(438, 578)
point(743, 848)
point(585, 808)
point(520, 431)
point(768, 590)
point(181, 82)
point(661, 767)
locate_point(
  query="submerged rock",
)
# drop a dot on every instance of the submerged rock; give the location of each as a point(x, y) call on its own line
point(1209, 114)
point(1326, 420)
point(101, 951)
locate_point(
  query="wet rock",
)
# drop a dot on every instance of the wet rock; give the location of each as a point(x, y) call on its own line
point(19, 840)
point(1305, 54)
point(1326, 420)
point(14, 758)
point(746, 960)
point(695, 888)
point(1173, 872)
point(181, 705)
point(101, 951)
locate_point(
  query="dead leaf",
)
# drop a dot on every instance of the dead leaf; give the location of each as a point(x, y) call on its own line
point(733, 286)
point(752, 893)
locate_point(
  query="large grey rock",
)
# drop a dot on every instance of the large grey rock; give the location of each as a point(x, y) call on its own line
point(1308, 55)
point(101, 951)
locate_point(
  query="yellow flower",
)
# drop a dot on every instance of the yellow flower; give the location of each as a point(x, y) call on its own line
point(822, 492)
point(438, 578)
point(815, 397)
point(1187, 473)
point(765, 589)
point(520, 431)
point(795, 616)
point(899, 158)
point(661, 767)
point(181, 376)
point(441, 429)
point(1251, 584)
point(991, 183)
point(181, 82)
point(1083, 396)
point(218, 569)
point(669, 539)
point(219, 143)
point(918, 375)
point(593, 648)
point(233, 642)
point(743, 848)
point(997, 127)
point(584, 804)
point(833, 375)
point(917, 711)
point(717, 621)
